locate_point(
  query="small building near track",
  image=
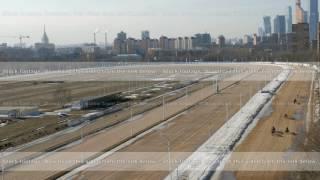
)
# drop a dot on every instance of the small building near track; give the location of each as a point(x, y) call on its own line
point(18, 112)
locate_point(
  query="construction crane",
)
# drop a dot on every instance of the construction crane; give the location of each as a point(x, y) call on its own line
point(21, 37)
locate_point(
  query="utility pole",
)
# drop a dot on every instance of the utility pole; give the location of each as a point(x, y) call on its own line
point(129, 88)
point(95, 36)
point(318, 45)
point(163, 108)
point(82, 133)
point(131, 118)
point(240, 100)
point(2, 165)
point(187, 91)
point(106, 39)
point(169, 152)
point(169, 157)
point(227, 111)
point(216, 87)
point(265, 79)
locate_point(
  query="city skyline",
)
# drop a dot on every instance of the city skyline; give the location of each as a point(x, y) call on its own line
point(69, 22)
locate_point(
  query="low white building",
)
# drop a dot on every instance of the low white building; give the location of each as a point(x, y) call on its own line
point(18, 112)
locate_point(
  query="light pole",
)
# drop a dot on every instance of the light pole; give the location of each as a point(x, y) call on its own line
point(2, 165)
point(227, 111)
point(169, 153)
point(240, 100)
point(82, 134)
point(265, 79)
point(131, 118)
point(169, 157)
point(163, 108)
point(215, 85)
point(186, 96)
point(106, 39)
point(129, 88)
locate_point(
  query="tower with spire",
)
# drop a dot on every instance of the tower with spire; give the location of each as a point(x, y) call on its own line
point(45, 39)
point(45, 49)
point(300, 13)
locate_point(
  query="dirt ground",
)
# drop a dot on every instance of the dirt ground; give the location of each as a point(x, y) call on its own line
point(186, 133)
point(43, 95)
point(285, 113)
point(109, 138)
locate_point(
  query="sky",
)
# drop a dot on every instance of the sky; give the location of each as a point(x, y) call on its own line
point(74, 21)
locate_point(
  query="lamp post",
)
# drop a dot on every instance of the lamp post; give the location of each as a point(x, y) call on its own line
point(2, 165)
point(169, 153)
point(131, 118)
point(240, 100)
point(82, 134)
point(216, 86)
point(227, 111)
point(163, 108)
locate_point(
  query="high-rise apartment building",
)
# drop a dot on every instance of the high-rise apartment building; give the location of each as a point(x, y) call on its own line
point(203, 40)
point(179, 43)
point(171, 43)
point(145, 35)
point(222, 41)
point(300, 40)
point(164, 42)
point(122, 36)
point(120, 44)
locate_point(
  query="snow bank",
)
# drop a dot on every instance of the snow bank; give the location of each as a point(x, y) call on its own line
point(208, 157)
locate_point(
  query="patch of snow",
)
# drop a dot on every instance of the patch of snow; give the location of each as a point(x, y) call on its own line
point(2, 125)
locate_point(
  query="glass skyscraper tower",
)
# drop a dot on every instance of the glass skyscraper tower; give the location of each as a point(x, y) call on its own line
point(314, 18)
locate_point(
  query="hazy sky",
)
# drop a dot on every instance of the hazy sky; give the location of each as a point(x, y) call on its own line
point(74, 21)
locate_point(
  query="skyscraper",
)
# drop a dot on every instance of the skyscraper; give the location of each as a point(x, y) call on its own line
point(120, 44)
point(145, 35)
point(164, 42)
point(267, 25)
point(203, 40)
point(306, 16)
point(289, 20)
point(222, 41)
point(313, 19)
point(280, 24)
point(260, 32)
point(300, 40)
point(299, 12)
point(122, 36)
